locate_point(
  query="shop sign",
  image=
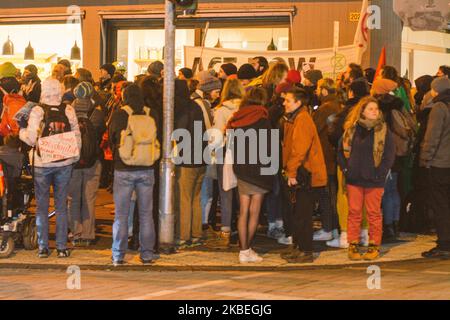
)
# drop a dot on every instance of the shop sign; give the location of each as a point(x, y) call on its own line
point(327, 60)
point(58, 147)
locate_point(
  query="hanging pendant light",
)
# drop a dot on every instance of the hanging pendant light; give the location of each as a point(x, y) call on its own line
point(29, 52)
point(218, 44)
point(75, 53)
point(8, 48)
point(272, 46)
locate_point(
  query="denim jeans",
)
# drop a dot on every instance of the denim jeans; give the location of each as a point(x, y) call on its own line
point(273, 202)
point(391, 199)
point(226, 202)
point(206, 198)
point(59, 177)
point(125, 182)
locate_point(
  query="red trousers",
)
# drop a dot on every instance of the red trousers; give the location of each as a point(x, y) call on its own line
point(371, 198)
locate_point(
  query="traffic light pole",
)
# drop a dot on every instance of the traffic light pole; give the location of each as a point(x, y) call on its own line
point(167, 173)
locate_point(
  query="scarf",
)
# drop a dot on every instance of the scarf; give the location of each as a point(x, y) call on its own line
point(380, 129)
point(247, 116)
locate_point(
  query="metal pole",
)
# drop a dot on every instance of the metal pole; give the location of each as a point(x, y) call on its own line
point(166, 212)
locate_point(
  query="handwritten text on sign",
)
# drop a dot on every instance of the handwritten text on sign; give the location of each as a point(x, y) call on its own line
point(58, 147)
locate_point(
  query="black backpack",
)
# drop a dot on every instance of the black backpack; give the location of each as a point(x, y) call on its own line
point(89, 144)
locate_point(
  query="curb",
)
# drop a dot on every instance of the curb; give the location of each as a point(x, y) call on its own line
point(109, 267)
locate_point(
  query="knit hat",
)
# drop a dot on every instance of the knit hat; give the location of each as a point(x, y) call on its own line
point(187, 73)
point(293, 76)
point(229, 68)
point(360, 88)
point(440, 84)
point(314, 76)
point(246, 72)
point(83, 90)
point(155, 68)
point(383, 86)
point(283, 87)
point(52, 92)
point(207, 82)
point(7, 70)
point(32, 68)
point(108, 67)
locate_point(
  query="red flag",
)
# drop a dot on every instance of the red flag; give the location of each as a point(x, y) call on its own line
point(381, 62)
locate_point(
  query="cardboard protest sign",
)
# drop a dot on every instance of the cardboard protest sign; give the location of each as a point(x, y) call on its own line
point(58, 147)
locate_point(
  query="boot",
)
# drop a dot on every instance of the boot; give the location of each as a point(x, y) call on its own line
point(289, 252)
point(372, 253)
point(388, 233)
point(301, 257)
point(353, 252)
point(223, 241)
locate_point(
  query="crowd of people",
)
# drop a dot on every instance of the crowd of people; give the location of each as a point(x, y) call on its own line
point(356, 152)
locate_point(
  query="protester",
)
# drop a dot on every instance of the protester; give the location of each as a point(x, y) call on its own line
point(443, 71)
point(435, 157)
point(252, 184)
point(248, 76)
point(31, 84)
point(226, 70)
point(310, 81)
point(156, 70)
point(191, 169)
point(304, 169)
point(58, 72)
point(67, 66)
point(85, 178)
point(260, 64)
point(185, 74)
point(231, 99)
point(329, 107)
point(55, 174)
point(276, 74)
point(106, 74)
point(366, 153)
point(69, 83)
point(136, 176)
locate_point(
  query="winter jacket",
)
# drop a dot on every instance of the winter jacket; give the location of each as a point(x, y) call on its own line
point(244, 149)
point(301, 145)
point(330, 106)
point(223, 113)
point(359, 169)
point(336, 127)
point(435, 148)
point(30, 135)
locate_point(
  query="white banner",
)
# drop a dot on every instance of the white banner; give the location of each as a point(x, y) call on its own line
point(58, 147)
point(323, 59)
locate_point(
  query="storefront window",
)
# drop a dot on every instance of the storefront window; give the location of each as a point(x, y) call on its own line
point(51, 42)
point(248, 38)
point(136, 49)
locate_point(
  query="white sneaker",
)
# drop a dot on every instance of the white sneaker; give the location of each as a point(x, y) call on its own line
point(275, 233)
point(340, 242)
point(321, 235)
point(246, 256)
point(285, 240)
point(364, 237)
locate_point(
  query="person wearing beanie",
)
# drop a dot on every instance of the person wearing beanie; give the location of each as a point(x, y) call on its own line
point(56, 174)
point(435, 157)
point(85, 181)
point(156, 69)
point(185, 74)
point(106, 73)
point(7, 70)
point(67, 66)
point(246, 74)
point(226, 70)
point(383, 86)
point(293, 77)
point(208, 89)
point(31, 84)
point(311, 77)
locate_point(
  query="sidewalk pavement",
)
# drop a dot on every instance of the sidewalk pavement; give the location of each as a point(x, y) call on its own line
point(204, 258)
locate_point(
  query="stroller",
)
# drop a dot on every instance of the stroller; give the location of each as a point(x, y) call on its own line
point(17, 224)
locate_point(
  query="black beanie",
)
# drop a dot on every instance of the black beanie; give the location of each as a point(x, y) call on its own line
point(246, 72)
point(108, 67)
point(229, 69)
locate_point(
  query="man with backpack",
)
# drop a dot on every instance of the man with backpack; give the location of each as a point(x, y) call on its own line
point(435, 157)
point(12, 102)
point(86, 174)
point(133, 135)
point(49, 118)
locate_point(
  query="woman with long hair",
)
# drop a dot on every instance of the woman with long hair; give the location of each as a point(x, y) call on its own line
point(366, 154)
